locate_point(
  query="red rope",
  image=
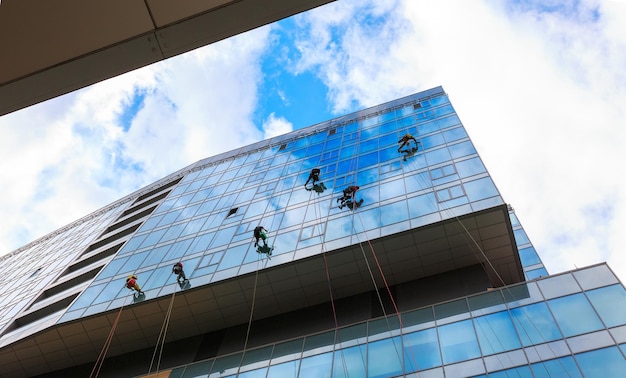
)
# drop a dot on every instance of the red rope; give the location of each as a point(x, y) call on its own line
point(105, 347)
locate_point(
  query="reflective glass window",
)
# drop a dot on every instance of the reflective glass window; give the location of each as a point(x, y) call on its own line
point(258, 373)
point(536, 273)
point(480, 189)
point(431, 141)
point(293, 217)
point(610, 303)
point(557, 286)
point(458, 342)
point(200, 369)
point(585, 320)
point(338, 228)
point(418, 182)
point(594, 277)
point(496, 333)
point(607, 362)
point(316, 366)
point(153, 238)
point(427, 127)
point(470, 167)
point(454, 134)
point(223, 237)
point(156, 255)
point(367, 176)
point(393, 213)
point(529, 256)
point(535, 324)
point(111, 290)
point(286, 369)
point(422, 205)
point(158, 278)
point(87, 296)
point(392, 189)
point(437, 156)
point(225, 365)
point(518, 372)
point(520, 237)
point(233, 257)
point(112, 267)
point(368, 159)
point(385, 358)
point(350, 362)
point(462, 149)
point(421, 350)
point(133, 262)
point(559, 367)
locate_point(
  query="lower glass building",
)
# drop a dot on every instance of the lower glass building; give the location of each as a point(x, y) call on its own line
point(424, 272)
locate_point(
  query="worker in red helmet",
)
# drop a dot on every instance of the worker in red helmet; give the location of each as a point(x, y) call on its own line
point(178, 270)
point(348, 197)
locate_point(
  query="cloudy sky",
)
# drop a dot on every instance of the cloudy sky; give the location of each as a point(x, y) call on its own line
point(539, 85)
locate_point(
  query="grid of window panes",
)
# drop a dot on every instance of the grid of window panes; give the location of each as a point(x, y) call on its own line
point(527, 330)
point(26, 273)
point(532, 264)
point(207, 220)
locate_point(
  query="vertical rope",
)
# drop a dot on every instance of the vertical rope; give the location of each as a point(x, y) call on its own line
point(161, 338)
point(105, 347)
point(245, 344)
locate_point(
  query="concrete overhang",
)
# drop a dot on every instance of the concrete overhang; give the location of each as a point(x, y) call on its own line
point(50, 48)
point(484, 237)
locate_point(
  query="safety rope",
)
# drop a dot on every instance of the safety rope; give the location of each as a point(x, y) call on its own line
point(330, 290)
point(451, 214)
point(105, 348)
point(162, 333)
point(245, 344)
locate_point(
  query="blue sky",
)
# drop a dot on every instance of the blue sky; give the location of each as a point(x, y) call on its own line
point(539, 85)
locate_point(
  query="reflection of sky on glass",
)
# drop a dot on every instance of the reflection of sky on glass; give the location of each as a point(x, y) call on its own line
point(215, 208)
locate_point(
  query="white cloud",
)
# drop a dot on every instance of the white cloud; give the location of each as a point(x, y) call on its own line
point(541, 95)
point(67, 157)
point(274, 126)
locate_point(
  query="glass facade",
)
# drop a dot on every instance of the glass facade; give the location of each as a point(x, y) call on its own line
point(205, 214)
point(517, 331)
point(208, 218)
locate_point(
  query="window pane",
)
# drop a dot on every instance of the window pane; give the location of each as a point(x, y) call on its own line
point(560, 367)
point(585, 320)
point(496, 333)
point(316, 366)
point(558, 286)
point(480, 189)
point(529, 256)
point(287, 369)
point(385, 358)
point(535, 324)
point(518, 372)
point(607, 362)
point(458, 342)
point(610, 303)
point(421, 350)
point(350, 362)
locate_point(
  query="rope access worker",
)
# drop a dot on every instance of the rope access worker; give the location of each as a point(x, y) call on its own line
point(131, 283)
point(178, 270)
point(313, 177)
point(348, 197)
point(405, 141)
point(260, 233)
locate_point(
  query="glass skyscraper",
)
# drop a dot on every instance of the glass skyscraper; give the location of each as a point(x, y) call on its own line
point(426, 273)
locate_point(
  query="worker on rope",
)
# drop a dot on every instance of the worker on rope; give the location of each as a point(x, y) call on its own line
point(260, 233)
point(348, 198)
point(405, 141)
point(131, 283)
point(313, 177)
point(178, 270)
